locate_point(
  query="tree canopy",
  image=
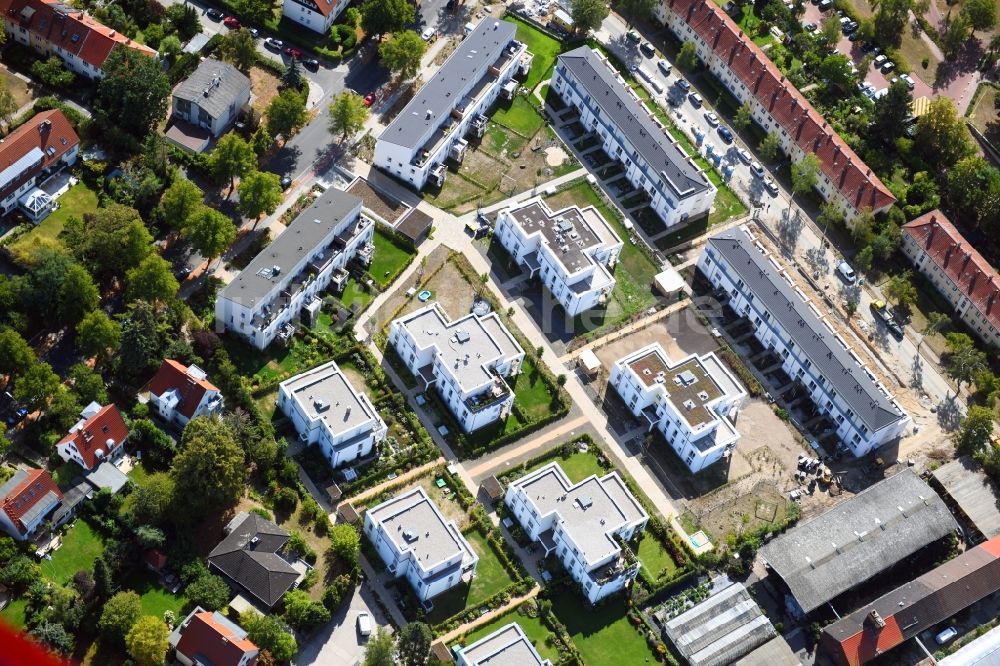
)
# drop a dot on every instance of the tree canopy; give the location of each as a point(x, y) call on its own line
point(179, 202)
point(942, 135)
point(260, 194)
point(588, 14)
point(414, 644)
point(402, 52)
point(152, 280)
point(210, 469)
point(210, 232)
point(97, 334)
point(348, 114)
point(232, 158)
point(120, 614)
point(239, 48)
point(379, 17)
point(286, 113)
point(133, 93)
point(268, 634)
point(147, 641)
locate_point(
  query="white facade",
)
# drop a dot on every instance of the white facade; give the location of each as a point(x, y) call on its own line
point(416, 543)
point(653, 161)
point(507, 646)
point(212, 97)
point(264, 301)
point(572, 251)
point(586, 525)
point(327, 411)
point(693, 402)
point(784, 320)
point(466, 360)
point(432, 127)
point(179, 393)
point(317, 15)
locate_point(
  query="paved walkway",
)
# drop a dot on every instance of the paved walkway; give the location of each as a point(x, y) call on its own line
point(376, 583)
point(492, 462)
point(488, 617)
point(411, 474)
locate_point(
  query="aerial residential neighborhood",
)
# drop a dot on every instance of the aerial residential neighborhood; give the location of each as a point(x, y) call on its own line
point(523, 333)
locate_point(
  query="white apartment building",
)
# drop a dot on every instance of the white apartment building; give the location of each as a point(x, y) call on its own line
point(693, 402)
point(466, 360)
point(958, 272)
point(289, 274)
point(572, 251)
point(777, 105)
point(785, 321)
point(507, 646)
point(630, 133)
point(452, 104)
point(317, 15)
point(418, 544)
point(327, 411)
point(586, 525)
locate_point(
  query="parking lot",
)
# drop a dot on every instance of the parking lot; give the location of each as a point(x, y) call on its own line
point(339, 641)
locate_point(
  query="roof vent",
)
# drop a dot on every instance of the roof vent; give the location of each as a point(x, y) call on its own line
point(585, 502)
point(321, 405)
point(410, 536)
point(462, 336)
point(875, 619)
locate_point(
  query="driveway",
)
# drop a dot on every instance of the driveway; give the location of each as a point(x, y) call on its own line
point(339, 642)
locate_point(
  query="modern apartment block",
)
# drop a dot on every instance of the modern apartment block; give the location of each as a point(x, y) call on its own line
point(327, 411)
point(746, 71)
point(573, 251)
point(587, 525)
point(317, 15)
point(678, 189)
point(451, 105)
point(507, 646)
point(265, 299)
point(693, 402)
point(466, 360)
point(957, 270)
point(418, 544)
point(812, 352)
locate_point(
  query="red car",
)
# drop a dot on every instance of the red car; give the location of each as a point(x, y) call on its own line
point(369, 99)
point(293, 52)
point(232, 23)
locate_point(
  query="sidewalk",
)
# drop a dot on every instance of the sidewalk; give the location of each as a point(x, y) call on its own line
point(375, 581)
point(622, 332)
point(488, 617)
point(412, 474)
point(491, 462)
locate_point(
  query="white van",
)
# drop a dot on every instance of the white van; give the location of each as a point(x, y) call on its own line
point(364, 624)
point(847, 272)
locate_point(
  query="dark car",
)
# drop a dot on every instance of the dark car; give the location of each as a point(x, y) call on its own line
point(683, 85)
point(286, 181)
point(17, 417)
point(183, 272)
point(274, 44)
point(724, 132)
point(647, 49)
point(215, 14)
point(311, 63)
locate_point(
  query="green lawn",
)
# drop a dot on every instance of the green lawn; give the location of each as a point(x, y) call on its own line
point(537, 633)
point(491, 577)
point(580, 465)
point(389, 261)
point(80, 547)
point(531, 394)
point(155, 598)
point(77, 201)
point(603, 635)
point(521, 116)
point(541, 46)
point(655, 558)
point(354, 293)
point(13, 614)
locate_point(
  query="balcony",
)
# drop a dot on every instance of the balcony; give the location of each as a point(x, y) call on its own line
point(437, 175)
point(457, 151)
point(497, 393)
point(478, 126)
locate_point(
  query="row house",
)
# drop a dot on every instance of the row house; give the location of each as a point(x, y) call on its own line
point(267, 297)
point(777, 105)
point(755, 286)
point(628, 131)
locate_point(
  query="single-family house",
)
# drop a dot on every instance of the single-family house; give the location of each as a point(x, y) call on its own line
point(179, 393)
point(206, 638)
point(97, 437)
point(27, 499)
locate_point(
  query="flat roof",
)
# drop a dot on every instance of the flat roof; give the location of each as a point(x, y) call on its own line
point(324, 392)
point(301, 238)
point(507, 646)
point(570, 233)
point(415, 524)
point(651, 141)
point(590, 510)
point(874, 407)
point(983, 651)
point(973, 492)
point(858, 539)
point(688, 384)
point(467, 346)
point(435, 100)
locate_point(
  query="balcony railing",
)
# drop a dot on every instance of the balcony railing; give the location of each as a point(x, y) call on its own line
point(496, 394)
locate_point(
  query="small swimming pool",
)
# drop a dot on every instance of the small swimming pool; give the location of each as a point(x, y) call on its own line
point(424, 295)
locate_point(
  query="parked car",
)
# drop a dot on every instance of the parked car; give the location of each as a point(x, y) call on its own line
point(183, 272)
point(364, 623)
point(664, 67)
point(369, 99)
point(232, 23)
point(683, 85)
point(647, 49)
point(879, 60)
point(825, 5)
point(273, 44)
point(286, 182)
point(712, 119)
point(16, 417)
point(427, 34)
point(771, 186)
point(311, 63)
point(215, 14)
point(882, 313)
point(847, 272)
point(809, 27)
point(744, 156)
point(756, 169)
point(695, 99)
point(633, 36)
point(254, 32)
point(946, 635)
point(293, 52)
point(908, 80)
point(888, 67)
point(724, 132)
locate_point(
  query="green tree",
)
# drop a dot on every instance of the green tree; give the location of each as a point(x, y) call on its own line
point(8, 105)
point(851, 307)
point(97, 334)
point(975, 430)
point(256, 11)
point(936, 321)
point(941, 134)
point(260, 194)
point(890, 18)
point(179, 202)
point(148, 536)
point(987, 388)
point(19, 573)
point(170, 47)
point(830, 31)
point(209, 591)
point(836, 68)
point(233, 157)
point(238, 47)
point(687, 57)
point(152, 280)
point(143, 339)
point(348, 114)
point(963, 361)
point(414, 644)
point(292, 77)
point(805, 173)
point(588, 14)
point(113, 240)
point(63, 409)
point(158, 451)
point(769, 147)
point(210, 232)
point(210, 469)
point(982, 14)
point(150, 503)
point(147, 641)
point(54, 636)
point(743, 117)
point(184, 19)
point(102, 579)
point(900, 289)
point(53, 73)
point(345, 543)
point(120, 614)
point(973, 188)
point(636, 11)
point(36, 386)
point(16, 355)
point(302, 612)
point(267, 633)
point(380, 649)
point(286, 113)
point(402, 52)
point(87, 384)
point(132, 95)
point(379, 17)
point(956, 34)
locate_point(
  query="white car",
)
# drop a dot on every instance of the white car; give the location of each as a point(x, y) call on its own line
point(847, 272)
point(771, 186)
point(744, 156)
point(664, 66)
point(756, 169)
point(946, 635)
point(427, 34)
point(908, 80)
point(879, 59)
point(712, 119)
point(364, 623)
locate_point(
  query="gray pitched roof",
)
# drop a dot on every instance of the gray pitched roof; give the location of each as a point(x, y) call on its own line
point(214, 86)
point(444, 89)
point(860, 538)
point(256, 565)
point(649, 140)
point(848, 378)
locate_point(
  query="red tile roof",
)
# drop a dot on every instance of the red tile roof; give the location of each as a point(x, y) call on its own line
point(72, 30)
point(154, 559)
point(214, 642)
point(786, 105)
point(959, 260)
point(95, 433)
point(173, 375)
point(50, 132)
point(35, 486)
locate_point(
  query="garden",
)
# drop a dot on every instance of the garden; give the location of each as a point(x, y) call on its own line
point(609, 633)
point(77, 201)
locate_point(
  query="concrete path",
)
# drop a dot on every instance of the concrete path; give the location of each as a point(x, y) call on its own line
point(492, 462)
point(412, 474)
point(631, 328)
point(488, 617)
point(378, 586)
